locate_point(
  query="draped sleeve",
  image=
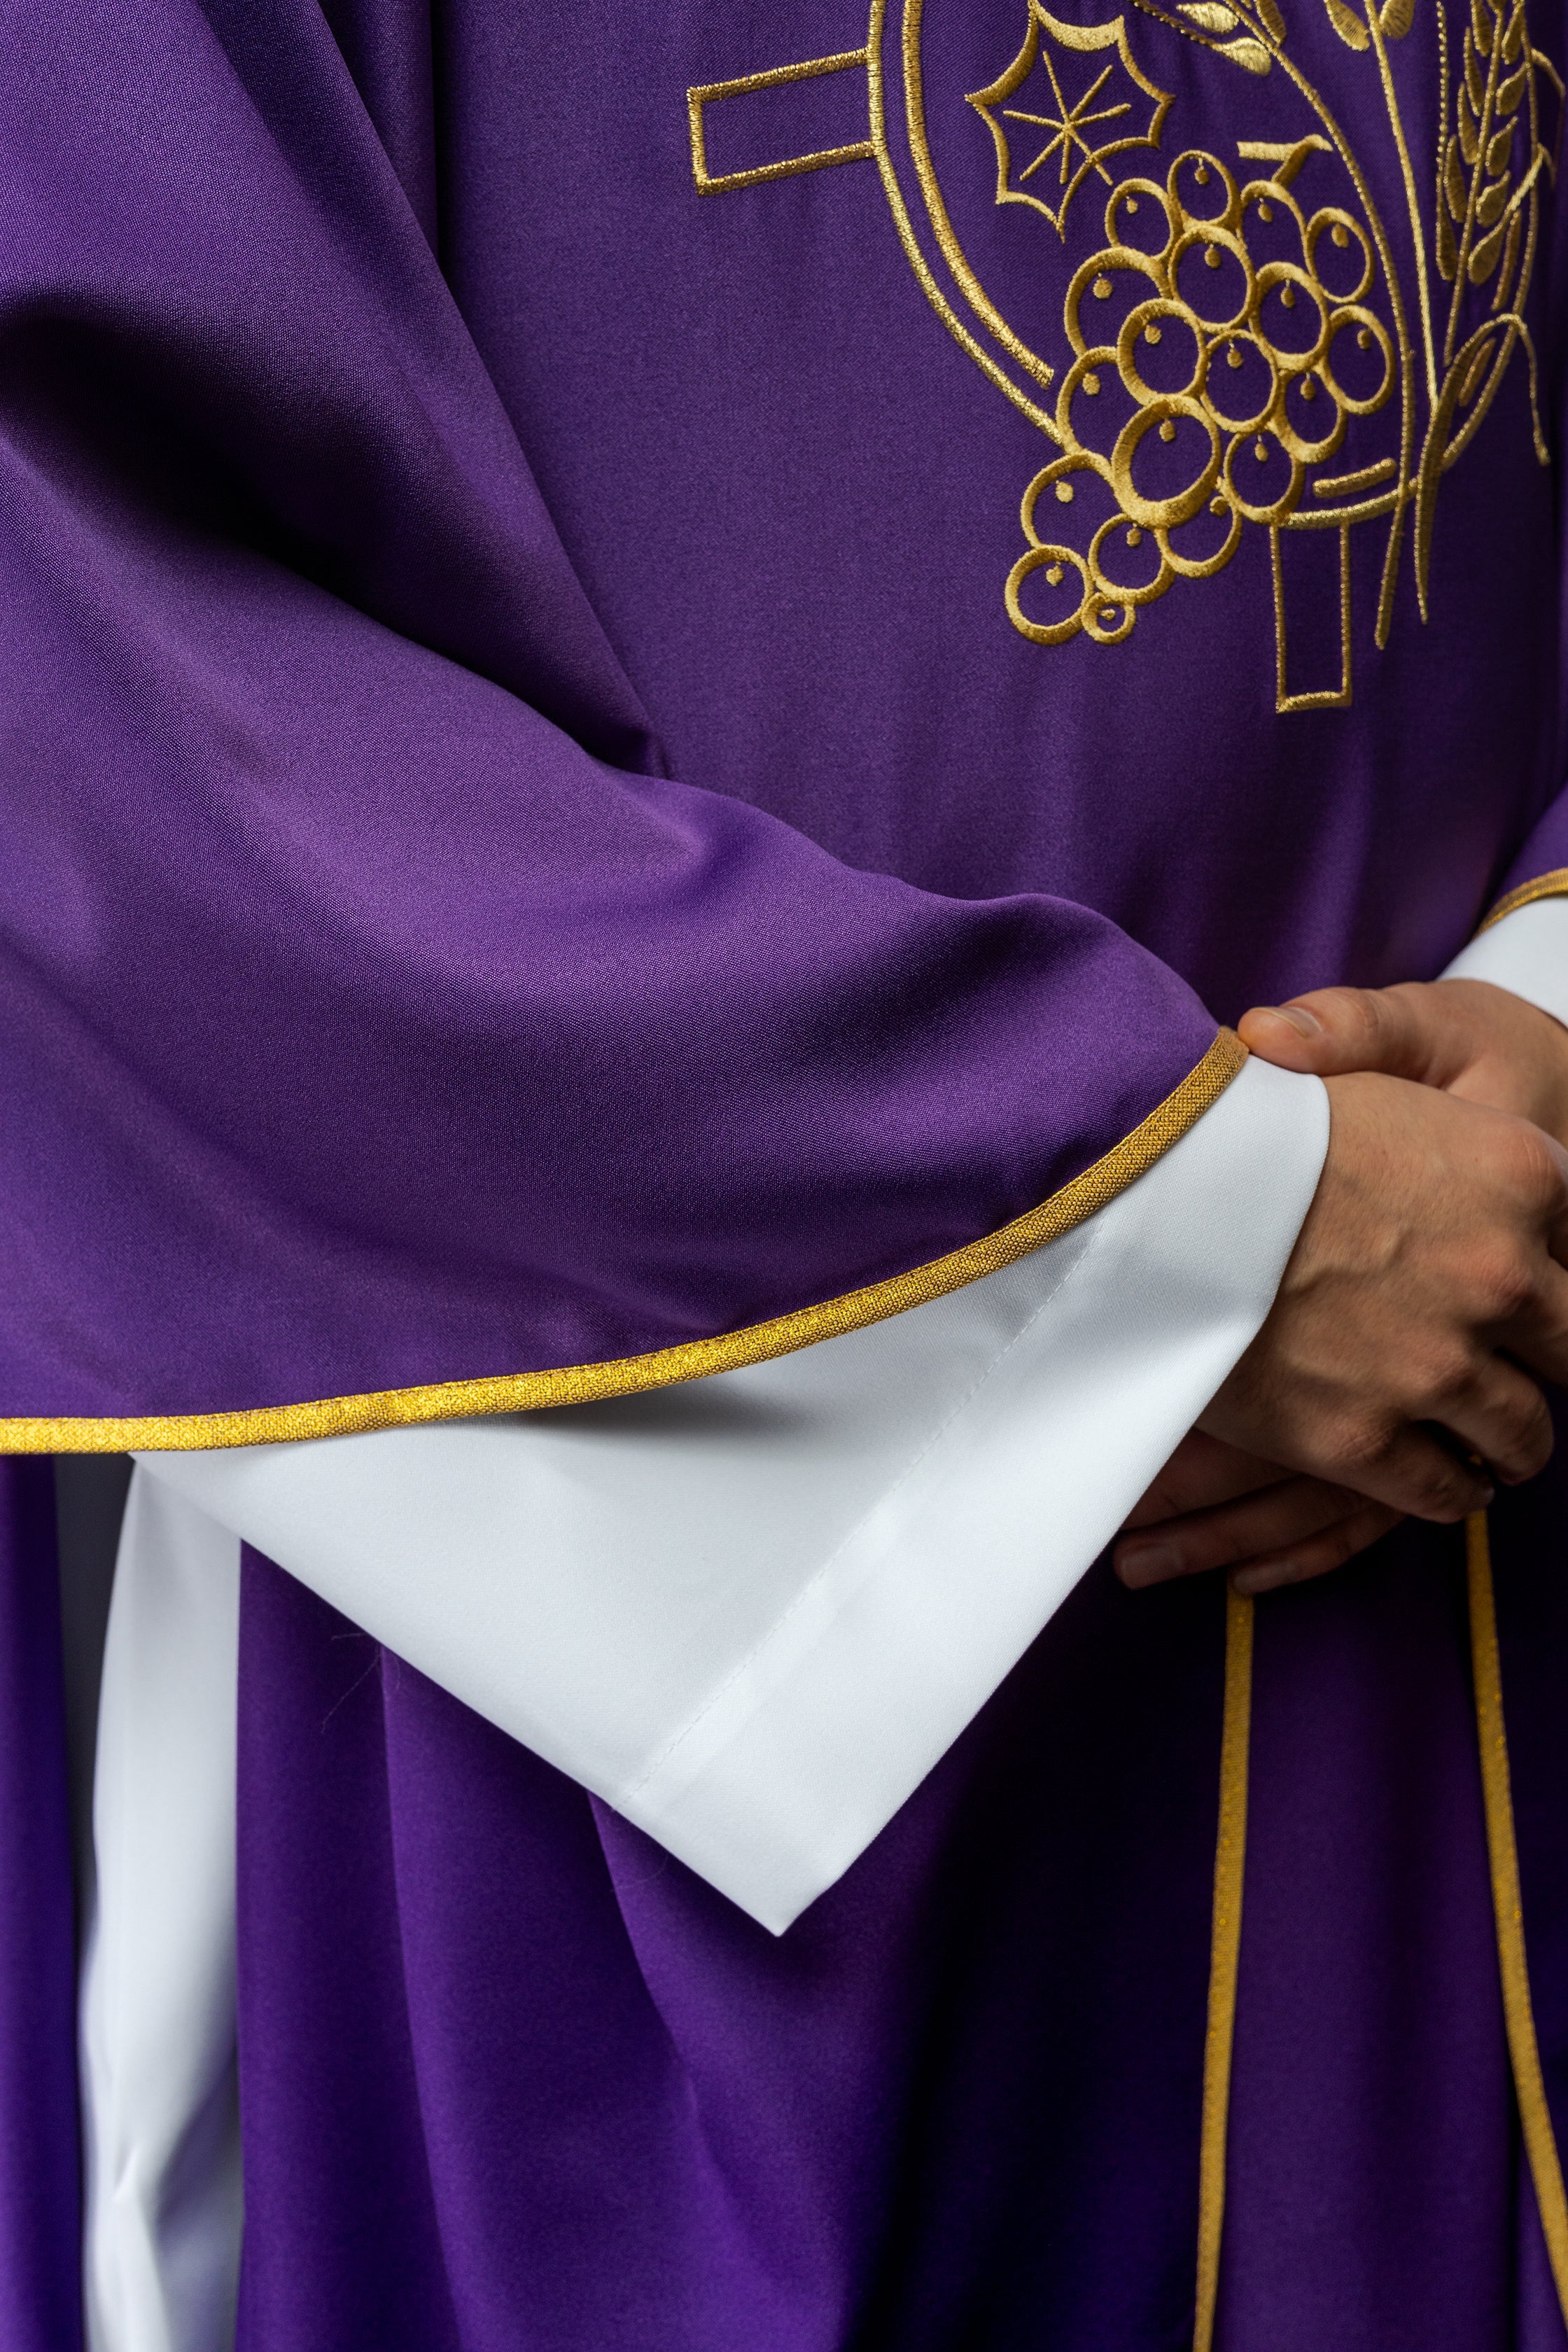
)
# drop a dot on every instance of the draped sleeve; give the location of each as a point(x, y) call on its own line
point(384, 1033)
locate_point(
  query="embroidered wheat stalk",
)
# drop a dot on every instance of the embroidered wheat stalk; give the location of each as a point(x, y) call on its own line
point(1480, 215)
point(1485, 232)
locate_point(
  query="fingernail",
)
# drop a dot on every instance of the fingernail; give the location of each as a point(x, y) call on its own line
point(1250, 1582)
point(1305, 1024)
point(1148, 1563)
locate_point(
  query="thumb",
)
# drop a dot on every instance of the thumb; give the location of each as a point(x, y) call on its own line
point(1408, 1032)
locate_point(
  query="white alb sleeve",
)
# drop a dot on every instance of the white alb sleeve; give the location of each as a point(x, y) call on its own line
point(1526, 953)
point(752, 1611)
point(161, 2119)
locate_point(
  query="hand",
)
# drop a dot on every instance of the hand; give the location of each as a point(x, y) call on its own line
point(1427, 1249)
point(1215, 1506)
point(1480, 1042)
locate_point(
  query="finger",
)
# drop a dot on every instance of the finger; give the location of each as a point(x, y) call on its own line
point(1502, 1415)
point(1287, 1513)
point(1537, 1333)
point(1408, 1032)
point(1553, 1299)
point(1203, 1470)
point(1321, 1553)
point(1413, 1472)
point(1533, 1168)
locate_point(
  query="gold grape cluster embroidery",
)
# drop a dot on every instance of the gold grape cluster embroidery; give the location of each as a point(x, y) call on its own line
point(1244, 345)
point(1265, 409)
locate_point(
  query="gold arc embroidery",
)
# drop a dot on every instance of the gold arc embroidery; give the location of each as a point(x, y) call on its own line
point(1224, 1957)
point(1407, 174)
point(952, 251)
point(691, 1359)
point(712, 93)
point(912, 253)
point(1554, 885)
point(1524, 2049)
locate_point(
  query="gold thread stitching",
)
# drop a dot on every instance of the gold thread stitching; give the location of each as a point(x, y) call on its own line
point(952, 251)
point(1524, 2049)
point(1375, 17)
point(912, 253)
point(1347, 486)
point(1069, 121)
point(1499, 86)
point(1324, 697)
point(693, 1360)
point(1229, 1871)
point(1105, 608)
point(1545, 886)
point(711, 93)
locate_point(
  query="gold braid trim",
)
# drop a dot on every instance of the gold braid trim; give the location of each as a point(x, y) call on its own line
point(1530, 2086)
point(693, 1360)
point(1229, 1867)
point(1545, 886)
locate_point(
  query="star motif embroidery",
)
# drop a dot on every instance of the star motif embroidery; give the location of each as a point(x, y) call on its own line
point(1071, 122)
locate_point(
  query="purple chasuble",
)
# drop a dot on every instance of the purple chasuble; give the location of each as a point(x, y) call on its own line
point(535, 830)
point(643, 687)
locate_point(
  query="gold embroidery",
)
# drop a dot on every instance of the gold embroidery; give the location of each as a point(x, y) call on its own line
point(1229, 1867)
point(1234, 431)
point(1545, 886)
point(1530, 2086)
point(1284, 355)
point(1323, 698)
point(1070, 119)
point(711, 93)
point(693, 1360)
point(1349, 485)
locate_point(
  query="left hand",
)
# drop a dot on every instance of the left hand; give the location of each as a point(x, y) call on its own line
point(1215, 1506)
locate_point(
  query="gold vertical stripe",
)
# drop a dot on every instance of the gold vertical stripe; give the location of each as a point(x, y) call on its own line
point(1540, 2140)
point(1229, 1867)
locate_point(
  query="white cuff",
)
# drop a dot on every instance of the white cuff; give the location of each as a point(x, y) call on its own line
point(1527, 952)
point(161, 2122)
point(752, 1612)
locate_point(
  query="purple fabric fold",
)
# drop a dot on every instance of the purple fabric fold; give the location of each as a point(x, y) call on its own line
point(1373, 2140)
point(364, 1025)
point(510, 2074)
point(40, 2212)
point(529, 837)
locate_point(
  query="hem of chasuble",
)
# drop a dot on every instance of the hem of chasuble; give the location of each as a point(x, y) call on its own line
point(1553, 885)
point(661, 1367)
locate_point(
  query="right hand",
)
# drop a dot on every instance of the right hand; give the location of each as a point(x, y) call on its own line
point(1424, 1279)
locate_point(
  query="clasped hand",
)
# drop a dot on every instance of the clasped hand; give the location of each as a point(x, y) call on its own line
point(1393, 1374)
